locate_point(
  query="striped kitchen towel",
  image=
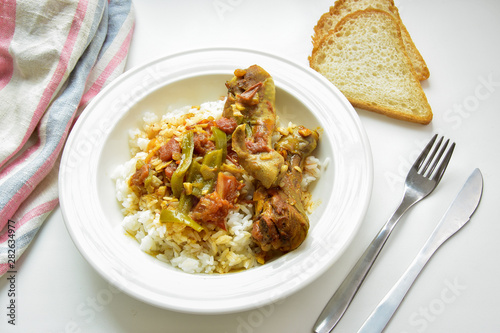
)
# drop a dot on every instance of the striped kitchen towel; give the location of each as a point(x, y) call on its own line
point(55, 56)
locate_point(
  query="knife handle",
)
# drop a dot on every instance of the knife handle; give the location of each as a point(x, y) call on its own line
point(447, 227)
point(379, 318)
point(384, 311)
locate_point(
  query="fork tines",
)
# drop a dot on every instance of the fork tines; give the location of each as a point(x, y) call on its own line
point(432, 160)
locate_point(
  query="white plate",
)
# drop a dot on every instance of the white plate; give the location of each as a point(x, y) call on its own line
point(99, 142)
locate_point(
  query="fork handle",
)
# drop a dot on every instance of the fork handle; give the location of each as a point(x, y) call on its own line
point(341, 299)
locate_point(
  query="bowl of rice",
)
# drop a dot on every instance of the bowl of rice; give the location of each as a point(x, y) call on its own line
point(206, 268)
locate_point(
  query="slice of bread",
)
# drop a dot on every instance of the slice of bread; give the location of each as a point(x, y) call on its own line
point(365, 58)
point(329, 20)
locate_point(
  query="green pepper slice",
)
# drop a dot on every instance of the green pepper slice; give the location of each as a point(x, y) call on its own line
point(210, 168)
point(185, 203)
point(187, 156)
point(220, 139)
point(202, 176)
point(148, 182)
point(173, 216)
point(196, 179)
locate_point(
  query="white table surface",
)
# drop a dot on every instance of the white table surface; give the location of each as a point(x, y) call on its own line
point(459, 289)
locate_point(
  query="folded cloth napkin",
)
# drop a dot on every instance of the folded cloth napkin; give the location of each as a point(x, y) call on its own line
point(55, 56)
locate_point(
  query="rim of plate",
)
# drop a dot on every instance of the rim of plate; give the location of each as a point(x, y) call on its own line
point(146, 278)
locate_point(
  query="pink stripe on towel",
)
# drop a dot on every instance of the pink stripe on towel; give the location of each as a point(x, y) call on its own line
point(58, 75)
point(110, 68)
point(16, 200)
point(37, 211)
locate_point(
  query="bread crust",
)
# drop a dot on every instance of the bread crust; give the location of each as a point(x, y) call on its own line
point(365, 99)
point(341, 8)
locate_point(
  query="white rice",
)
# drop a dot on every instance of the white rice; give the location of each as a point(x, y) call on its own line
point(217, 251)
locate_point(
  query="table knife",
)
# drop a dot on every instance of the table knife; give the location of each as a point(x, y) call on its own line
point(457, 215)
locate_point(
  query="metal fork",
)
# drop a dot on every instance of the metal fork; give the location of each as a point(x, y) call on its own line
point(421, 180)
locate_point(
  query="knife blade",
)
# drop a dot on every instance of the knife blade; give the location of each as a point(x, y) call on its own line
point(457, 215)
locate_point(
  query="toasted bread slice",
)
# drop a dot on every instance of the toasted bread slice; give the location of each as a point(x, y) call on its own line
point(364, 56)
point(329, 20)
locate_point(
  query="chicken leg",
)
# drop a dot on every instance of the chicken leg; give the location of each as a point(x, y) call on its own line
point(281, 223)
point(250, 101)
